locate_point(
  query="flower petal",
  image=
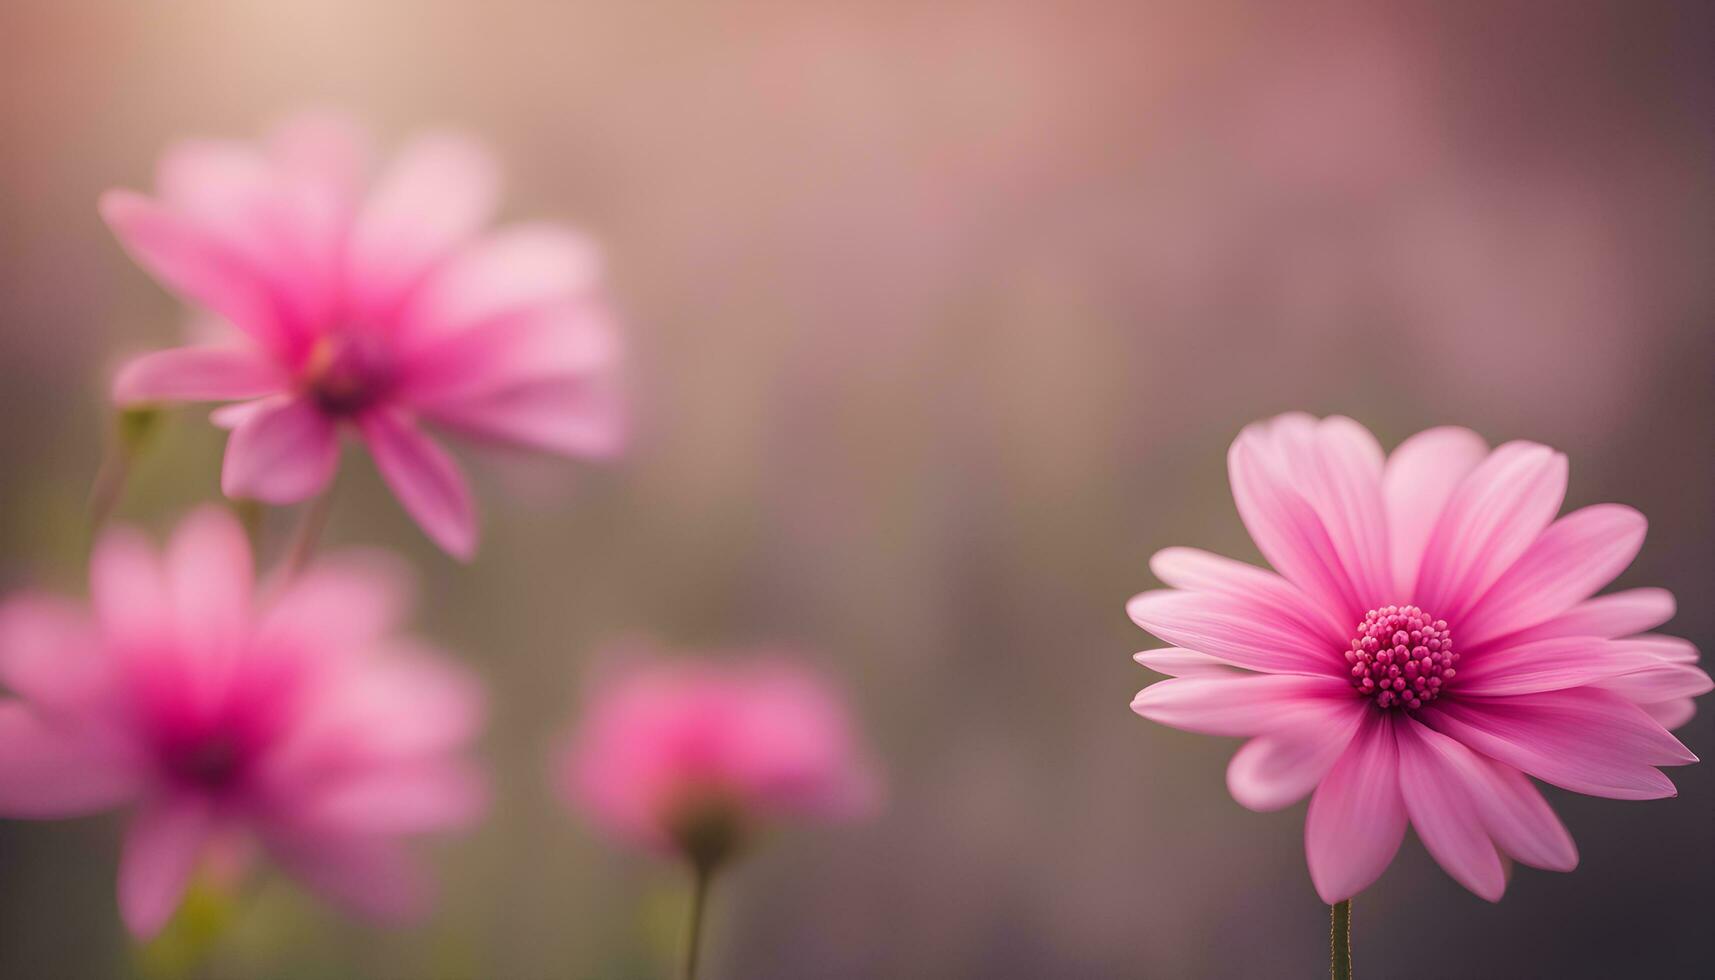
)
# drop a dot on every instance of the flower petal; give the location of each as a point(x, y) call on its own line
point(1613, 615)
point(210, 575)
point(1279, 769)
point(127, 588)
point(1285, 526)
point(1582, 739)
point(50, 652)
point(1245, 704)
point(1417, 482)
point(1357, 817)
point(193, 263)
point(1672, 714)
point(1194, 570)
point(1549, 665)
point(197, 374)
point(1491, 519)
point(342, 604)
point(281, 454)
point(403, 799)
point(439, 191)
point(1438, 779)
point(48, 770)
point(1232, 630)
point(1521, 822)
point(1175, 662)
point(1659, 683)
point(425, 479)
point(162, 845)
point(1577, 555)
point(571, 416)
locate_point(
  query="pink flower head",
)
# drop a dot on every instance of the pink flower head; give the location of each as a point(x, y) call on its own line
point(1430, 640)
point(384, 311)
point(691, 756)
point(287, 716)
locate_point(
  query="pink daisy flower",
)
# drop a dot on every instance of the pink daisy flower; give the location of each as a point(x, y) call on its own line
point(1427, 642)
point(694, 756)
point(230, 716)
point(382, 313)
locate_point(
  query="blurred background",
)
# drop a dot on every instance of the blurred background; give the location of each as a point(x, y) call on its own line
point(943, 316)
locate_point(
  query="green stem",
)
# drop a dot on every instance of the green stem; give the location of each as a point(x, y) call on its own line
point(703, 872)
point(1340, 940)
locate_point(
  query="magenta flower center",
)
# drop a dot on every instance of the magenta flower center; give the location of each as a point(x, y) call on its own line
point(213, 761)
point(348, 372)
point(1401, 657)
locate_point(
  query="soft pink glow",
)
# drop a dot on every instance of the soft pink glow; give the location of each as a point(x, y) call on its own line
point(663, 745)
point(1443, 539)
point(381, 311)
point(228, 712)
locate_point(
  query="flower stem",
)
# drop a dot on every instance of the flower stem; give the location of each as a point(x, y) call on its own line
point(308, 532)
point(1340, 940)
point(703, 872)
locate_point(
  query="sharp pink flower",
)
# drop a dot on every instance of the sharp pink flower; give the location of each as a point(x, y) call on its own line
point(382, 313)
point(691, 756)
point(287, 716)
point(1428, 640)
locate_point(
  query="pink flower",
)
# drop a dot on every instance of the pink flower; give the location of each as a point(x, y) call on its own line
point(1430, 640)
point(693, 756)
point(287, 716)
point(387, 312)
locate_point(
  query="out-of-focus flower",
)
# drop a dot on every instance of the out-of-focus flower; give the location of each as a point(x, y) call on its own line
point(387, 311)
point(287, 716)
point(1429, 640)
point(693, 757)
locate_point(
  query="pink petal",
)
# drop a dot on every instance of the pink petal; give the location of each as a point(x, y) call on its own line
point(1518, 818)
point(518, 268)
point(1286, 526)
point(192, 263)
point(281, 454)
point(210, 574)
point(1279, 769)
point(1175, 662)
point(436, 195)
point(162, 845)
point(1357, 817)
point(1672, 714)
point(1658, 683)
point(1583, 739)
point(127, 588)
point(327, 149)
point(1438, 778)
point(50, 771)
point(1548, 665)
point(1577, 555)
point(1200, 571)
point(1417, 482)
point(1231, 629)
point(1338, 463)
point(408, 799)
point(1614, 615)
point(373, 875)
point(425, 479)
point(1491, 519)
point(570, 416)
point(50, 652)
point(1246, 704)
point(197, 374)
point(340, 605)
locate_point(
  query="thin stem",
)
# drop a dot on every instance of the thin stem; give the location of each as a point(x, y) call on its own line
point(308, 533)
point(109, 485)
point(703, 872)
point(1340, 940)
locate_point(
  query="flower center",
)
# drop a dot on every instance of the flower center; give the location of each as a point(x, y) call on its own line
point(213, 762)
point(1401, 657)
point(347, 372)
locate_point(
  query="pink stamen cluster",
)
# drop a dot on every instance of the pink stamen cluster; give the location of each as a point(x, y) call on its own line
point(1401, 657)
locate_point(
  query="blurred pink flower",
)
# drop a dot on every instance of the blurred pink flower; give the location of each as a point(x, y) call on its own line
point(693, 756)
point(287, 716)
point(1429, 640)
point(385, 311)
